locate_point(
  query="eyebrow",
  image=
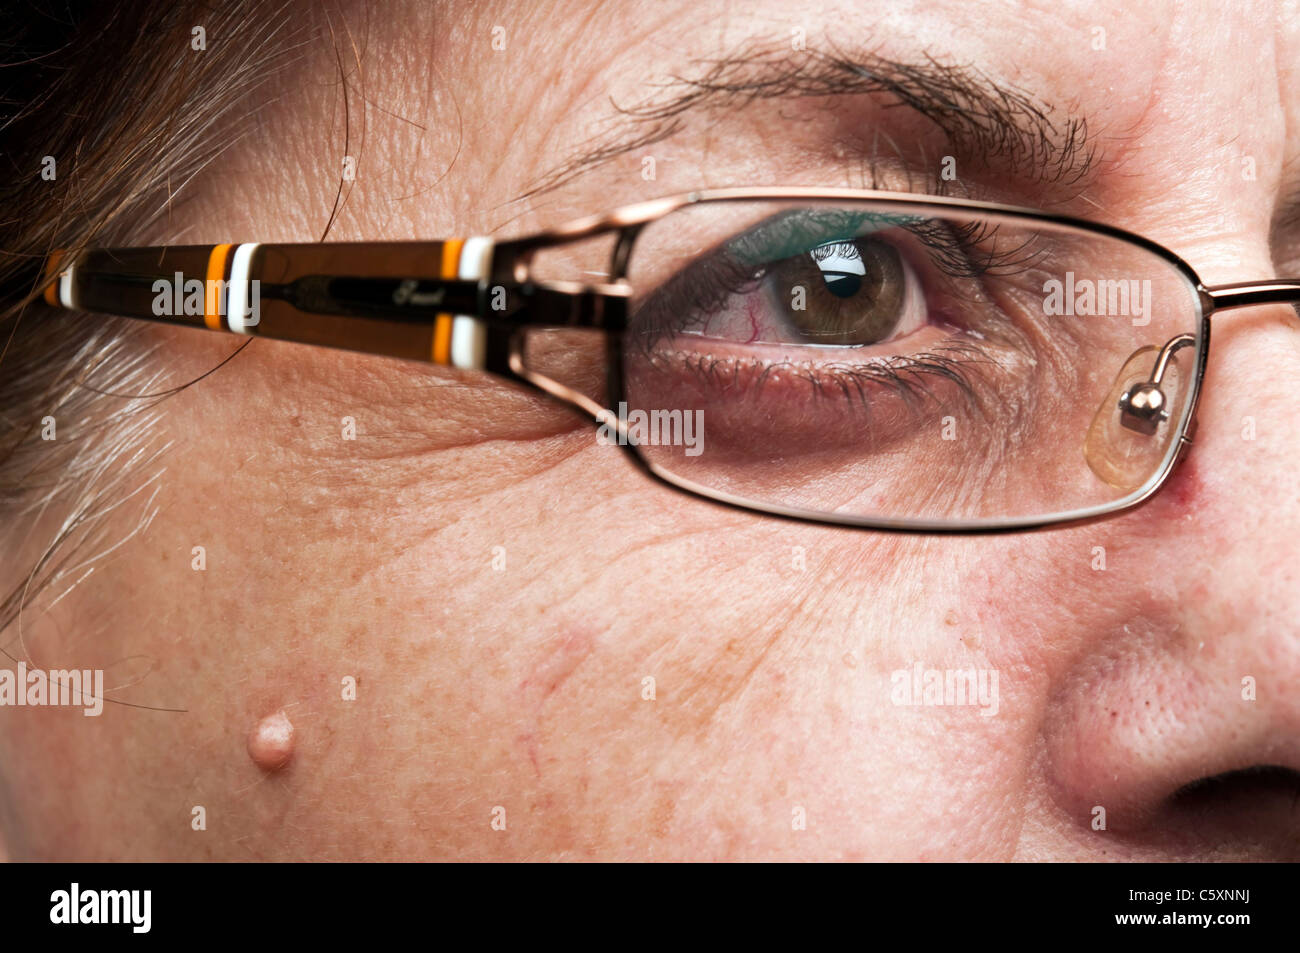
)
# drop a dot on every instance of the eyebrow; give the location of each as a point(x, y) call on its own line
point(993, 125)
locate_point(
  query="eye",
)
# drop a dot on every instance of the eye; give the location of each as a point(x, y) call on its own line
point(849, 292)
point(814, 327)
point(846, 293)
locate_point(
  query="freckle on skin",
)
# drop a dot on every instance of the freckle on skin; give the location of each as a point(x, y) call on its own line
point(270, 743)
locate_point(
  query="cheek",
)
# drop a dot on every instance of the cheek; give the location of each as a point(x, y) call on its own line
point(521, 681)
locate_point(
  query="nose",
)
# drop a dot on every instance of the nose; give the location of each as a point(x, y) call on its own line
point(1177, 724)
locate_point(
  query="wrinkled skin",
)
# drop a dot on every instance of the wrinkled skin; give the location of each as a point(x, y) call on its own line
point(522, 687)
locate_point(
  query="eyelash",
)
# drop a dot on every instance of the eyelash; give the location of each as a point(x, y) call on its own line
point(958, 252)
point(902, 374)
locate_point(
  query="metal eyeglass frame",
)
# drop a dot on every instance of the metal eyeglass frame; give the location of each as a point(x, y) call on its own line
point(469, 303)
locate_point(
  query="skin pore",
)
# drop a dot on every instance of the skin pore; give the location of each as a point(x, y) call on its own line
point(482, 692)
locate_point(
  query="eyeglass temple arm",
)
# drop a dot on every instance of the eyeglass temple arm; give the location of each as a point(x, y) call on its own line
point(454, 302)
point(1249, 293)
point(1143, 405)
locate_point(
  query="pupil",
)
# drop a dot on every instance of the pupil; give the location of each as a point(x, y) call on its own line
point(842, 267)
point(842, 285)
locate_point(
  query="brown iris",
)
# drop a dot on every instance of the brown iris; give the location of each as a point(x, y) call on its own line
point(844, 293)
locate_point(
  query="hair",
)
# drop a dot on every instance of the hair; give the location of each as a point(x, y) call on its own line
point(104, 125)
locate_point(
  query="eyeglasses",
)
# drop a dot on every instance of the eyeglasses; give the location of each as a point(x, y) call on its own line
point(859, 358)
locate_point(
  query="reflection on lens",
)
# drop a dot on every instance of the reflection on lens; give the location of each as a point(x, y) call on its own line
point(902, 362)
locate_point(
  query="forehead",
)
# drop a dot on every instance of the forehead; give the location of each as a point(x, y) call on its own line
point(1176, 67)
point(473, 113)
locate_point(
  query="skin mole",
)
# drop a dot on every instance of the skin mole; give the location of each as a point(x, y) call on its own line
point(270, 743)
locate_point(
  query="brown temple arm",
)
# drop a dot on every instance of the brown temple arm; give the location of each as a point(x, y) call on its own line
point(454, 302)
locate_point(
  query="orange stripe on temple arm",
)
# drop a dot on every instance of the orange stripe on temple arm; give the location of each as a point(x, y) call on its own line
point(52, 276)
point(442, 339)
point(442, 325)
point(212, 289)
point(451, 257)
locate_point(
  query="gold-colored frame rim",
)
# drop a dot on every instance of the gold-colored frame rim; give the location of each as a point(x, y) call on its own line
point(630, 218)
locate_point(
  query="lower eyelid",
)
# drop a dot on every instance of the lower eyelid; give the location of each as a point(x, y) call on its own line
point(807, 407)
point(808, 355)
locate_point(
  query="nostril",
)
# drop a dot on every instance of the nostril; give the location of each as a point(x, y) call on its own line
point(1268, 780)
point(1246, 814)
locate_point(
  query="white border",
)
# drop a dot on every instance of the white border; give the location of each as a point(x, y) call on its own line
point(469, 335)
point(237, 299)
point(65, 286)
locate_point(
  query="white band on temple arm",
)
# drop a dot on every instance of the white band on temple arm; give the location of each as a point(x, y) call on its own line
point(237, 300)
point(469, 335)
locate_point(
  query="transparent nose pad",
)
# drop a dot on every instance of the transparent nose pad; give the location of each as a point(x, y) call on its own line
point(1136, 422)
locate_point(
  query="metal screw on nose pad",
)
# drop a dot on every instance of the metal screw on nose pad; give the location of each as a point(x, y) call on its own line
point(1144, 407)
